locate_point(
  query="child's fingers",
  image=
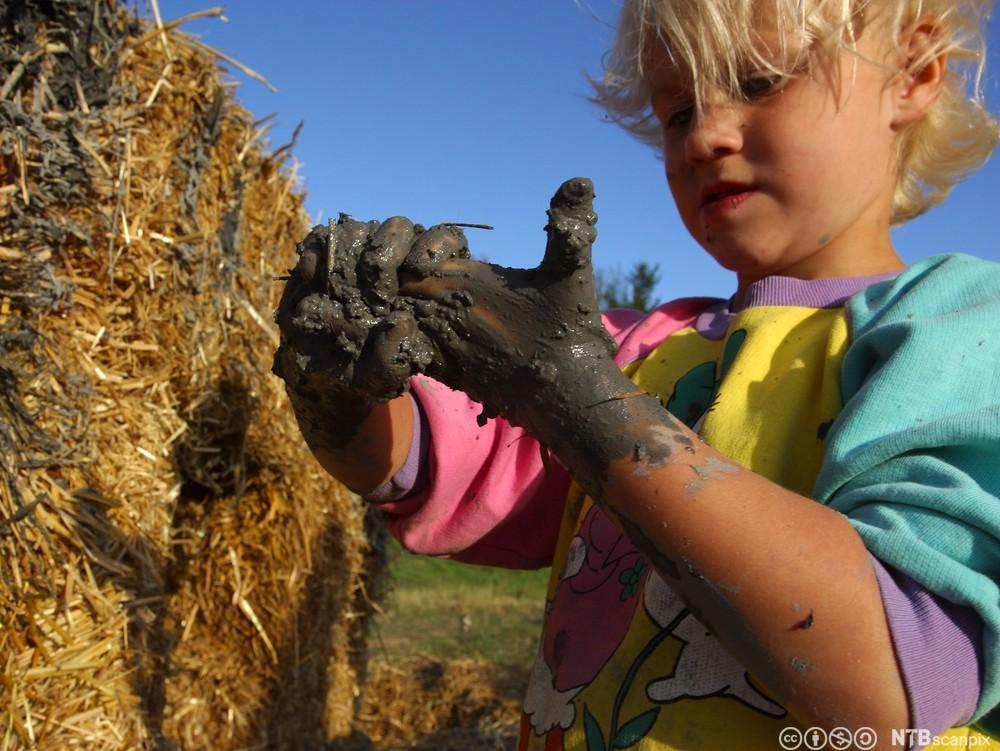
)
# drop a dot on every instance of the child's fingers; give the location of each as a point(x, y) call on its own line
point(349, 240)
point(449, 275)
point(312, 257)
point(570, 229)
point(437, 244)
point(395, 350)
point(324, 315)
point(302, 279)
point(322, 337)
point(566, 273)
point(380, 262)
point(471, 311)
point(445, 304)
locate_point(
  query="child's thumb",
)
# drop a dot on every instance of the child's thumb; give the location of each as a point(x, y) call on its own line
point(571, 230)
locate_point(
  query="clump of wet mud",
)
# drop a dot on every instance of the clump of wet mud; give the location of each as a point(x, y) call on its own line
point(342, 319)
point(369, 305)
point(347, 337)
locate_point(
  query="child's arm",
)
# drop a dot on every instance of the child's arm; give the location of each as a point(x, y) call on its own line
point(376, 451)
point(784, 582)
point(491, 494)
point(751, 558)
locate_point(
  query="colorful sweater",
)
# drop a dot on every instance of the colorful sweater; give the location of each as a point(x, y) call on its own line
point(886, 408)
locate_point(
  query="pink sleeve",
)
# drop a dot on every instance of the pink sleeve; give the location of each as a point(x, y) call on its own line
point(490, 498)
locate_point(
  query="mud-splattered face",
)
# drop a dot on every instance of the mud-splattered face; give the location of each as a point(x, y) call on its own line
point(795, 178)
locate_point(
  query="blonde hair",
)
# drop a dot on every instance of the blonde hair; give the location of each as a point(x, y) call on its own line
point(715, 42)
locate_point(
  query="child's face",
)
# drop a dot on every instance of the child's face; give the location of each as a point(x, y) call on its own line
point(795, 180)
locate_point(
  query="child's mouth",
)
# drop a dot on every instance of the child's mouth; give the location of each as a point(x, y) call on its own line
point(724, 201)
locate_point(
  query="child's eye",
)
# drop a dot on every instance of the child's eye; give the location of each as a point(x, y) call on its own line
point(678, 117)
point(761, 84)
point(671, 109)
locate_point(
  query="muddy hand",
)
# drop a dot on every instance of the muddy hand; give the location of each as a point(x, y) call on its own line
point(345, 339)
point(510, 337)
point(340, 321)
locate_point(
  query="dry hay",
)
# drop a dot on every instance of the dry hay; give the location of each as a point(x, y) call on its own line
point(175, 572)
point(427, 704)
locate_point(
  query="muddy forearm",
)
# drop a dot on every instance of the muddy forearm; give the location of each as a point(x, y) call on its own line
point(784, 582)
point(588, 415)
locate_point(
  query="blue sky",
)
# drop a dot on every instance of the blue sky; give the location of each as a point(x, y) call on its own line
point(475, 111)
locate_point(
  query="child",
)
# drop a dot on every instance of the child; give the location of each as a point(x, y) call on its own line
point(766, 514)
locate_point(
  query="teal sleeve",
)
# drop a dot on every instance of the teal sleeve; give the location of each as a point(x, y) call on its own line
point(913, 459)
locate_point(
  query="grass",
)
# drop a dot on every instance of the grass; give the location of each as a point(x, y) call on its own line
point(450, 610)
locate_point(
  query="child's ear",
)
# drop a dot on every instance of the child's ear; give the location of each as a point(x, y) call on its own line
point(924, 66)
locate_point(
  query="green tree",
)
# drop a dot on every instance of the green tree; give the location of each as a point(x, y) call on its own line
point(616, 289)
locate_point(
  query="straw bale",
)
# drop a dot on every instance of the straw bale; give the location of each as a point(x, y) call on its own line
point(427, 704)
point(175, 571)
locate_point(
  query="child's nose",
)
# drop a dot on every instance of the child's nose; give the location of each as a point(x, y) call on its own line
point(717, 132)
